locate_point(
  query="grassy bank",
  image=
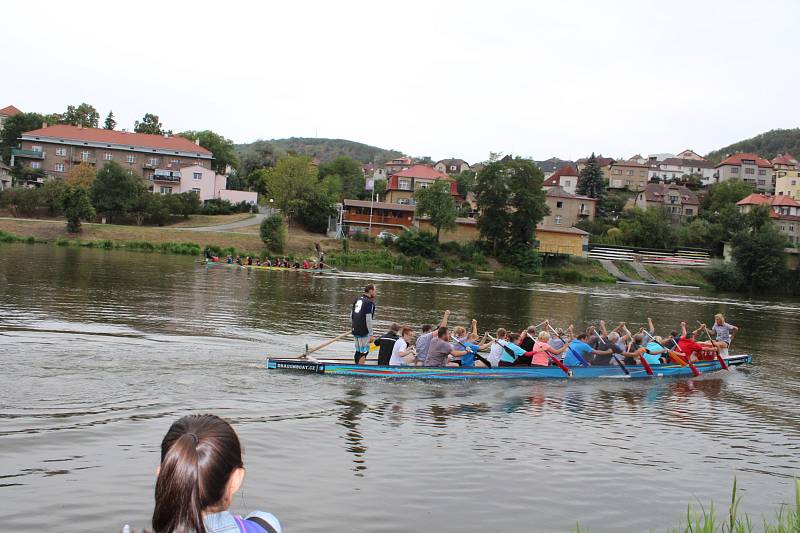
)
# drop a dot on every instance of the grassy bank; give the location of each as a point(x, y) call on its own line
point(786, 519)
point(577, 270)
point(681, 276)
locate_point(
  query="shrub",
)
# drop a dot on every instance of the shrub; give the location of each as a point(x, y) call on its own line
point(361, 236)
point(527, 260)
point(61, 241)
point(723, 276)
point(273, 233)
point(418, 243)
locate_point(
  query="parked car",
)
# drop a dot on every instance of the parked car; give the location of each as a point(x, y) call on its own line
point(387, 236)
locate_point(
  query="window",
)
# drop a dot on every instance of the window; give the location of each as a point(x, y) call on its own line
point(584, 210)
point(558, 220)
point(762, 172)
point(735, 170)
point(196, 190)
point(85, 155)
point(404, 184)
point(452, 167)
point(749, 170)
point(59, 167)
point(153, 161)
point(794, 182)
point(197, 176)
point(642, 173)
point(688, 211)
point(629, 172)
point(617, 171)
point(559, 205)
point(108, 156)
point(36, 164)
point(61, 151)
point(166, 190)
point(36, 148)
point(150, 176)
point(762, 182)
point(567, 183)
point(176, 161)
point(131, 159)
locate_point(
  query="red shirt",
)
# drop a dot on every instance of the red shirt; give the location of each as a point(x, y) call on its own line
point(688, 346)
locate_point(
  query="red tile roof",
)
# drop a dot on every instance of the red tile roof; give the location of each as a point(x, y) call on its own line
point(657, 192)
point(10, 111)
point(424, 172)
point(553, 180)
point(400, 161)
point(736, 160)
point(763, 199)
point(139, 140)
point(784, 159)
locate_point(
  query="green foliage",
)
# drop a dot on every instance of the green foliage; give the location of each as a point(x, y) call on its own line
point(254, 156)
point(110, 123)
point(150, 124)
point(327, 149)
point(699, 233)
point(348, 172)
point(592, 184)
point(525, 259)
point(467, 181)
point(273, 233)
point(84, 115)
point(217, 206)
point(723, 276)
point(22, 201)
point(760, 257)
point(51, 196)
point(114, 191)
point(293, 184)
point(77, 206)
point(437, 203)
point(725, 194)
point(418, 243)
point(219, 146)
point(184, 204)
point(651, 228)
point(767, 145)
point(614, 204)
point(14, 127)
point(510, 196)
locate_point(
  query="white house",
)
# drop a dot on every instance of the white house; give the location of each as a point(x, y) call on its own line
point(204, 181)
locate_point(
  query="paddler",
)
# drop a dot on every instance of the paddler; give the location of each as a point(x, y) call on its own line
point(361, 317)
point(722, 333)
point(385, 344)
point(689, 346)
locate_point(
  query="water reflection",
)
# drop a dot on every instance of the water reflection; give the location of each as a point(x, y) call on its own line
point(350, 417)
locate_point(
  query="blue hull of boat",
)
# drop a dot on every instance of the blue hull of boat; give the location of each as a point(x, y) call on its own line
point(519, 372)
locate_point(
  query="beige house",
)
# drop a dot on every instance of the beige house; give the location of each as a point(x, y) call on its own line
point(603, 162)
point(628, 175)
point(402, 185)
point(678, 201)
point(397, 164)
point(749, 168)
point(567, 209)
point(452, 166)
point(784, 211)
point(57, 149)
point(787, 176)
point(565, 177)
point(690, 154)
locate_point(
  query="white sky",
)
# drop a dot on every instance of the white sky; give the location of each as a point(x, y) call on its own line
point(428, 78)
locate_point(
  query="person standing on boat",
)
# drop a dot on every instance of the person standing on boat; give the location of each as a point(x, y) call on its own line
point(402, 353)
point(723, 333)
point(361, 317)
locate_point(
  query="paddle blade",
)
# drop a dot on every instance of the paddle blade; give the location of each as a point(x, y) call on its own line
point(676, 358)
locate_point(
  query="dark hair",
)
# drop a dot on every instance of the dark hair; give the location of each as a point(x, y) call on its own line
point(426, 328)
point(369, 288)
point(198, 455)
point(441, 332)
point(513, 337)
point(582, 337)
point(394, 327)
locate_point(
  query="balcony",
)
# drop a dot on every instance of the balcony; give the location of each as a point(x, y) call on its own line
point(150, 166)
point(32, 154)
point(171, 179)
point(379, 219)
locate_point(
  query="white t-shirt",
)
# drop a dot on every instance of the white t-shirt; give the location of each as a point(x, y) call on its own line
point(399, 346)
point(494, 354)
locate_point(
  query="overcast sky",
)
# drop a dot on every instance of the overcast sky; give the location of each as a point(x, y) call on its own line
point(430, 78)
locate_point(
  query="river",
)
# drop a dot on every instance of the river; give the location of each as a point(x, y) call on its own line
point(102, 350)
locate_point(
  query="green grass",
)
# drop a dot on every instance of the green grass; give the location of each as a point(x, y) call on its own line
point(627, 269)
point(680, 276)
point(577, 270)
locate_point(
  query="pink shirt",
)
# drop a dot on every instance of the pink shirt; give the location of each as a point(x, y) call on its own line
point(540, 356)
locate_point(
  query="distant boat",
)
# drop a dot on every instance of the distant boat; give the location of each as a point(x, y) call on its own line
point(484, 274)
point(262, 267)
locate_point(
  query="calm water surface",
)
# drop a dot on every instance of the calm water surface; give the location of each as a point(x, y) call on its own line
point(102, 350)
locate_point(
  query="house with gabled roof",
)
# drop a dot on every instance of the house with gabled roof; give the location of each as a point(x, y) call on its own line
point(747, 167)
point(628, 175)
point(567, 209)
point(397, 164)
point(690, 154)
point(7, 112)
point(784, 212)
point(402, 185)
point(677, 200)
point(786, 172)
point(452, 166)
point(565, 177)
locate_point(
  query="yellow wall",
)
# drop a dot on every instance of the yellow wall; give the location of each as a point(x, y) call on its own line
point(560, 243)
point(394, 195)
point(464, 232)
point(783, 183)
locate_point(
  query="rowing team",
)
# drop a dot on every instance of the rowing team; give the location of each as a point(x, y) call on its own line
point(267, 262)
point(539, 345)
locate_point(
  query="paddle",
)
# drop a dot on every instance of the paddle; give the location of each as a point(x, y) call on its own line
point(321, 346)
point(478, 357)
point(721, 359)
point(552, 357)
point(578, 356)
point(674, 357)
point(645, 364)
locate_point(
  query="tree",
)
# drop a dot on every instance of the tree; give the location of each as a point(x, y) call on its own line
point(273, 233)
point(150, 124)
point(82, 175)
point(349, 173)
point(114, 190)
point(219, 146)
point(760, 257)
point(290, 182)
point(77, 206)
point(650, 228)
point(14, 127)
point(84, 115)
point(725, 194)
point(51, 196)
point(591, 183)
point(260, 154)
point(436, 202)
point(511, 200)
point(422, 243)
point(184, 204)
point(110, 123)
point(466, 181)
point(257, 180)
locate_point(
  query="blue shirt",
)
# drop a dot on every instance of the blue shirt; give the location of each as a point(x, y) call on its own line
point(507, 357)
point(467, 359)
point(651, 358)
point(580, 348)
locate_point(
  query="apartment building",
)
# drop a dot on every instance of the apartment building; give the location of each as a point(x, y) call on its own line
point(677, 200)
point(786, 172)
point(567, 209)
point(403, 184)
point(452, 166)
point(749, 168)
point(784, 211)
point(397, 164)
point(629, 175)
point(5, 177)
point(675, 168)
point(565, 177)
point(57, 149)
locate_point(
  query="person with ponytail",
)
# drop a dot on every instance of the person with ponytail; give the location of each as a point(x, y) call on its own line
point(201, 469)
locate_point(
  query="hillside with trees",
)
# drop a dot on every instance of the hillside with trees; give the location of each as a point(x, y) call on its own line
point(326, 150)
point(767, 145)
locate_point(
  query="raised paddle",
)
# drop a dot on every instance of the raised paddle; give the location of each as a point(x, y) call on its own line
point(645, 364)
point(674, 356)
point(552, 357)
point(323, 345)
point(721, 359)
point(578, 356)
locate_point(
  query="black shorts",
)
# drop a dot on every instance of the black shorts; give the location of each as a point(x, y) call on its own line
point(505, 363)
point(524, 360)
point(602, 360)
